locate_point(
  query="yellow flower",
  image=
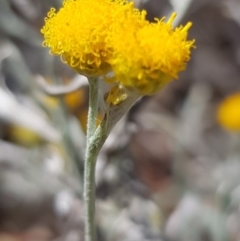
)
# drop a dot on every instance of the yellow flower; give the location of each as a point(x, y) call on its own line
point(81, 30)
point(147, 57)
point(98, 37)
point(228, 113)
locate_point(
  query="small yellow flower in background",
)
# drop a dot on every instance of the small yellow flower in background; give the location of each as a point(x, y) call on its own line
point(81, 30)
point(228, 114)
point(151, 56)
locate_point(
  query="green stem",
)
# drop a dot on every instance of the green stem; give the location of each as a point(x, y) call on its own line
point(89, 194)
point(95, 140)
point(93, 148)
point(93, 108)
point(90, 162)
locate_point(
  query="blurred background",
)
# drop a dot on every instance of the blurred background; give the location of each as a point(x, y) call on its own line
point(168, 172)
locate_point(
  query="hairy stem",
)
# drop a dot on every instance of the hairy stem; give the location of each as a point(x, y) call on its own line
point(93, 108)
point(89, 194)
point(95, 140)
point(90, 162)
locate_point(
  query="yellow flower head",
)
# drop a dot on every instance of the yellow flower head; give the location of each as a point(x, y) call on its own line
point(148, 57)
point(228, 114)
point(96, 37)
point(81, 30)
